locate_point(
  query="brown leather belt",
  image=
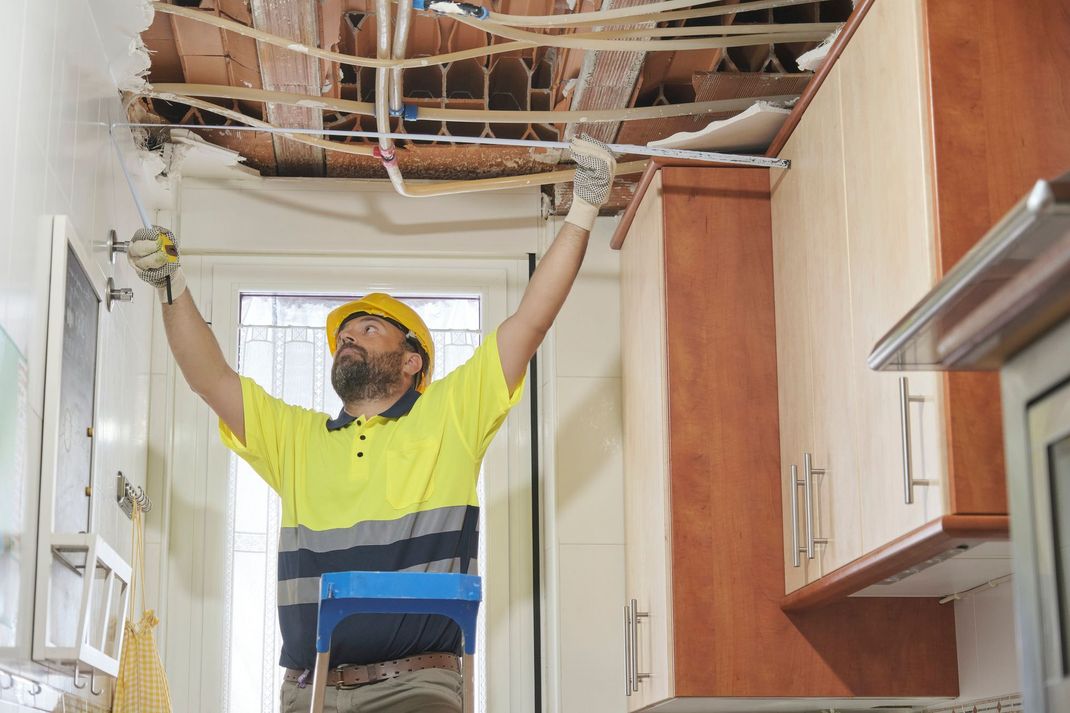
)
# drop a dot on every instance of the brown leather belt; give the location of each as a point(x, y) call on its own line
point(353, 675)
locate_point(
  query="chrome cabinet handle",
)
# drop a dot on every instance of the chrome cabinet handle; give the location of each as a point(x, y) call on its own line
point(627, 649)
point(636, 616)
point(808, 493)
point(793, 485)
point(905, 399)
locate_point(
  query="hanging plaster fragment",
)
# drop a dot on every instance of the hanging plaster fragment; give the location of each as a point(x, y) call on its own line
point(810, 61)
point(750, 130)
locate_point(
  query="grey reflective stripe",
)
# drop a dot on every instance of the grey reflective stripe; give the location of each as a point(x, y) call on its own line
point(306, 590)
point(449, 565)
point(303, 590)
point(373, 532)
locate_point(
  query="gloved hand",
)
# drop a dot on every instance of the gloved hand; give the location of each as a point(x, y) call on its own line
point(594, 176)
point(153, 253)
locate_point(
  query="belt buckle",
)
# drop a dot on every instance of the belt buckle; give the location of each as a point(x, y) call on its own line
point(342, 685)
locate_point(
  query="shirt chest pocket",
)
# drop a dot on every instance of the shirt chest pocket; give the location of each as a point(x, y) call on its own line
point(410, 473)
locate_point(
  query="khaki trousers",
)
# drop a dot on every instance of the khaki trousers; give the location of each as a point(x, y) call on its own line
point(430, 690)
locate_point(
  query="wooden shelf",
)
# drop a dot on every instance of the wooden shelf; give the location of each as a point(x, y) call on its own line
point(930, 540)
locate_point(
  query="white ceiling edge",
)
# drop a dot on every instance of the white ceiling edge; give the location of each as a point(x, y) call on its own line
point(120, 24)
point(194, 157)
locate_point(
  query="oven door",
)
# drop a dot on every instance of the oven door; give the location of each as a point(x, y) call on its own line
point(1048, 423)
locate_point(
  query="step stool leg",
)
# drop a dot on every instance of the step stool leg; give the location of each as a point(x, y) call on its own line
point(319, 681)
point(468, 674)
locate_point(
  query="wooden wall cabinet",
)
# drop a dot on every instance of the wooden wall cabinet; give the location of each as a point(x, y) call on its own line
point(852, 244)
point(702, 484)
point(855, 246)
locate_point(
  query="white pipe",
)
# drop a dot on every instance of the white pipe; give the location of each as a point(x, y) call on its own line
point(401, 41)
point(625, 149)
point(382, 98)
point(141, 212)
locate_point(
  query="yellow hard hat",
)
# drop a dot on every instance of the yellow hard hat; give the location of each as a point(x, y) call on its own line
point(385, 306)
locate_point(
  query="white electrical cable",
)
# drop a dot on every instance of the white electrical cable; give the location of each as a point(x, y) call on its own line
point(627, 149)
point(595, 40)
point(640, 13)
point(991, 584)
point(142, 213)
point(181, 93)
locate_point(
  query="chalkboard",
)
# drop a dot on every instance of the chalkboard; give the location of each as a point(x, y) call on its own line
point(74, 457)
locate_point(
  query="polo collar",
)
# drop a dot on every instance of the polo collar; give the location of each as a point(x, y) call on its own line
point(400, 408)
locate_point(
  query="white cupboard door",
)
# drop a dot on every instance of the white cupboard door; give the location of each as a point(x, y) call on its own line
point(794, 384)
point(892, 248)
point(646, 456)
point(821, 222)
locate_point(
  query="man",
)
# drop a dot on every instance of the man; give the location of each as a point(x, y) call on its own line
point(390, 484)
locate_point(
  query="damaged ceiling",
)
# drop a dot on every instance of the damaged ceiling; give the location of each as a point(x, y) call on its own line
point(187, 51)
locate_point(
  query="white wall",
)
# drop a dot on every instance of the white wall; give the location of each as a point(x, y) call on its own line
point(984, 628)
point(584, 498)
point(54, 76)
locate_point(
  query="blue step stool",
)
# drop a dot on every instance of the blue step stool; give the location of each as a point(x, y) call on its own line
point(343, 594)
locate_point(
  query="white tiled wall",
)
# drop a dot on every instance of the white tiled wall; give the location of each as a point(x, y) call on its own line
point(55, 158)
point(984, 627)
point(585, 497)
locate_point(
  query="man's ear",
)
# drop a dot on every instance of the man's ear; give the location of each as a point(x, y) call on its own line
point(414, 364)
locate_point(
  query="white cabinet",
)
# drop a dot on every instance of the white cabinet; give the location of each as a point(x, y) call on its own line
point(817, 401)
point(646, 489)
point(892, 246)
point(853, 242)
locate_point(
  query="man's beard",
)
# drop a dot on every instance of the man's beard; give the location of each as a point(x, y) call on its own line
point(376, 376)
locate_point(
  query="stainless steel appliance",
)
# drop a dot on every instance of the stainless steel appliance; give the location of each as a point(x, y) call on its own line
point(1036, 417)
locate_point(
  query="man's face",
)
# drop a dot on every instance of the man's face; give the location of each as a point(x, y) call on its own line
point(369, 361)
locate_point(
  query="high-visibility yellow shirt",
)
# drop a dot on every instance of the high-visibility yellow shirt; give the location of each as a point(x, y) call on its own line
point(392, 492)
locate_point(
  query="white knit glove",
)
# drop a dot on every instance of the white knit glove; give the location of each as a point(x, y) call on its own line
point(153, 253)
point(595, 166)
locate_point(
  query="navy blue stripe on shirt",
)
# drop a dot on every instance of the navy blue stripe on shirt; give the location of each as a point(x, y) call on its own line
point(376, 558)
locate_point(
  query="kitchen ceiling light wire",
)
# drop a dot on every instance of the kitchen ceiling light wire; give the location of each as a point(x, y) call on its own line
point(250, 121)
point(180, 92)
point(654, 12)
point(624, 149)
point(595, 40)
point(439, 188)
point(389, 95)
point(587, 43)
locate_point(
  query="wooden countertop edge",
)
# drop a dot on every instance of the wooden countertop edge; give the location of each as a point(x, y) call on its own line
point(812, 87)
point(779, 140)
point(929, 540)
point(629, 214)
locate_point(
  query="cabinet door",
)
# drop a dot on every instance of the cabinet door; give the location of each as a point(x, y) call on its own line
point(891, 236)
point(814, 318)
point(646, 461)
point(794, 385)
point(833, 452)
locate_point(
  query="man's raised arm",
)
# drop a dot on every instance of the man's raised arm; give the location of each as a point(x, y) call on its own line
point(520, 335)
point(154, 255)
